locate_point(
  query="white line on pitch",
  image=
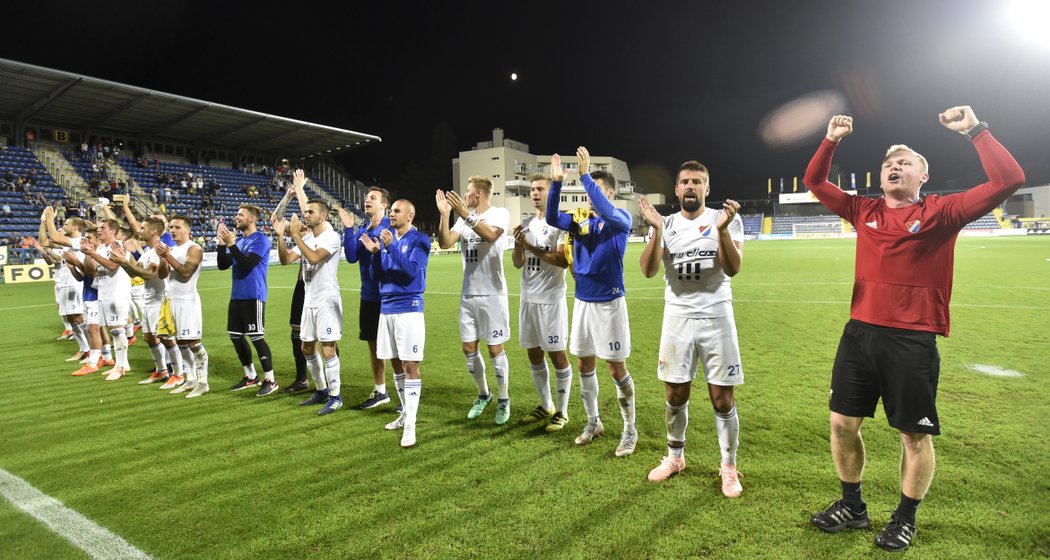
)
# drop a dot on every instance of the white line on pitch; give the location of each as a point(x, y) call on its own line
point(85, 534)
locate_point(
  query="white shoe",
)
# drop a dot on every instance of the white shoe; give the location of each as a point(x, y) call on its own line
point(398, 423)
point(185, 387)
point(408, 437)
point(198, 390)
point(590, 432)
point(628, 441)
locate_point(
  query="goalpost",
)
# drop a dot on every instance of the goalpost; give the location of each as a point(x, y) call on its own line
point(817, 230)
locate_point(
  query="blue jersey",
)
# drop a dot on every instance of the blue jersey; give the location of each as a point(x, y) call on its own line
point(355, 251)
point(598, 248)
point(251, 283)
point(402, 273)
point(90, 293)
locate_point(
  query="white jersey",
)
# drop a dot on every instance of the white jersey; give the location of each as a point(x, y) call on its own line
point(696, 285)
point(154, 287)
point(63, 277)
point(541, 282)
point(483, 261)
point(321, 279)
point(180, 287)
point(113, 285)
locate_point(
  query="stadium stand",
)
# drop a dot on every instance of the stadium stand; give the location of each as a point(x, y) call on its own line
point(26, 202)
point(752, 224)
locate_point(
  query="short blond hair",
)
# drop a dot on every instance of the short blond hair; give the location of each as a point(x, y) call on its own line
point(483, 183)
point(540, 177)
point(904, 148)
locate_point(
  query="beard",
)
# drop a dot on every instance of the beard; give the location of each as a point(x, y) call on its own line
point(690, 204)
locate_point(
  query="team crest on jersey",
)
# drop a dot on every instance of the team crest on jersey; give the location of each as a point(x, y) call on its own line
point(404, 248)
point(661, 365)
point(913, 226)
point(601, 225)
point(705, 230)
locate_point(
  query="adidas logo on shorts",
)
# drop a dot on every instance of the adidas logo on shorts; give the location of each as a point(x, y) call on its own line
point(925, 422)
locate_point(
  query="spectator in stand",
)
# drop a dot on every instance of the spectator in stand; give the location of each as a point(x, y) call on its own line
point(7, 213)
point(9, 181)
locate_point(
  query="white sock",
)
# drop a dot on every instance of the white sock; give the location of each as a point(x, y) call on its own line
point(249, 371)
point(201, 356)
point(268, 376)
point(66, 325)
point(80, 334)
point(502, 367)
point(158, 353)
point(107, 352)
point(331, 372)
point(313, 366)
point(589, 394)
point(625, 394)
point(541, 379)
point(728, 427)
point(380, 388)
point(677, 420)
point(120, 347)
point(93, 355)
point(175, 357)
point(476, 367)
point(413, 388)
point(189, 364)
point(399, 384)
point(562, 385)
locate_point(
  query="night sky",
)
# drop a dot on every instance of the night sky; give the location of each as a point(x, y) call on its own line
point(651, 83)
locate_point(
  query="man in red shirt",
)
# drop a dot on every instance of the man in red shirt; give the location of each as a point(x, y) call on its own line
point(905, 251)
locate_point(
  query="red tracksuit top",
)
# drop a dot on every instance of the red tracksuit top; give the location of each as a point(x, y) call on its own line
point(905, 256)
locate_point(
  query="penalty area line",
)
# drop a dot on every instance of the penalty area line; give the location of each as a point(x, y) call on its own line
point(83, 533)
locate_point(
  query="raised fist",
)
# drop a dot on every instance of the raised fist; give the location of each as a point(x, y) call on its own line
point(839, 127)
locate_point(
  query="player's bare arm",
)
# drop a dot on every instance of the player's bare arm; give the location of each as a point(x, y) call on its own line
point(459, 206)
point(730, 253)
point(518, 255)
point(310, 255)
point(279, 227)
point(446, 237)
point(132, 222)
point(56, 237)
point(650, 259)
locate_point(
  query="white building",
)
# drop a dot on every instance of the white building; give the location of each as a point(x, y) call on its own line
point(508, 164)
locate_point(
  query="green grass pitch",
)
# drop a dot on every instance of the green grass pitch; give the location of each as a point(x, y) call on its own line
point(233, 476)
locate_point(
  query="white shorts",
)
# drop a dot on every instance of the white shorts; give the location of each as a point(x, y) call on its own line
point(324, 324)
point(150, 317)
point(687, 343)
point(92, 316)
point(138, 297)
point(402, 336)
point(114, 312)
point(189, 323)
point(543, 325)
point(601, 329)
point(70, 301)
point(484, 317)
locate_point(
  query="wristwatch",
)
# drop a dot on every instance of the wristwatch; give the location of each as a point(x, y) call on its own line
point(977, 129)
point(471, 221)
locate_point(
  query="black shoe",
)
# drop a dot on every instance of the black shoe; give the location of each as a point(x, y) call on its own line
point(319, 397)
point(374, 400)
point(268, 387)
point(245, 383)
point(296, 387)
point(897, 535)
point(839, 516)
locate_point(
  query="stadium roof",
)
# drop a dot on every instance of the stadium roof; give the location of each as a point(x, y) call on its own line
point(58, 99)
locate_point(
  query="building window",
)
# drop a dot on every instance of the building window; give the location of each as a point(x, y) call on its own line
point(563, 198)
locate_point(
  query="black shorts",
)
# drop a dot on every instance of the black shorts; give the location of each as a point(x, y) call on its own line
point(246, 316)
point(298, 297)
point(368, 320)
point(901, 366)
